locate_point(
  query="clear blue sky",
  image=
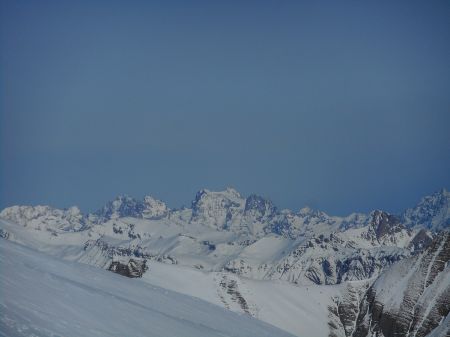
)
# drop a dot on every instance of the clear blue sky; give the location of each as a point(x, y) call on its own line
point(340, 105)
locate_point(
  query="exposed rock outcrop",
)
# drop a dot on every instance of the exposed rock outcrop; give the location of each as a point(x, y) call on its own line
point(411, 298)
point(133, 269)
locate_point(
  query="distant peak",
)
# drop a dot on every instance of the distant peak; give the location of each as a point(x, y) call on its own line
point(231, 190)
point(123, 197)
point(151, 199)
point(432, 211)
point(443, 191)
point(228, 192)
point(305, 210)
point(74, 210)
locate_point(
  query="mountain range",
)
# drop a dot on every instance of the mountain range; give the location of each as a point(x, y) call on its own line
point(375, 274)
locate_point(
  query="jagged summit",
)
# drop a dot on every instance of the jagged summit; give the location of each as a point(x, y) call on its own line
point(126, 206)
point(229, 192)
point(154, 208)
point(229, 210)
point(70, 219)
point(385, 223)
point(121, 206)
point(258, 206)
point(217, 209)
point(432, 211)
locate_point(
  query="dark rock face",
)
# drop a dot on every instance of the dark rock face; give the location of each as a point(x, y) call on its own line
point(136, 251)
point(230, 286)
point(4, 234)
point(328, 261)
point(421, 241)
point(385, 224)
point(424, 297)
point(345, 311)
point(133, 269)
point(259, 207)
point(364, 266)
point(211, 246)
point(198, 197)
point(123, 206)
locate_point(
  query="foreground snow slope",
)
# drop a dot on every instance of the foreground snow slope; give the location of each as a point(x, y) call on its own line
point(301, 310)
point(45, 296)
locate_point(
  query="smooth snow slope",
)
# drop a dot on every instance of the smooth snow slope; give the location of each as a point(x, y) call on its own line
point(43, 296)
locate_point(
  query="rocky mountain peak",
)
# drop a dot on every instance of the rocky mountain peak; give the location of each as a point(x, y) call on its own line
point(46, 217)
point(154, 208)
point(259, 207)
point(384, 223)
point(420, 241)
point(228, 193)
point(217, 208)
point(121, 206)
point(308, 212)
point(432, 211)
point(126, 206)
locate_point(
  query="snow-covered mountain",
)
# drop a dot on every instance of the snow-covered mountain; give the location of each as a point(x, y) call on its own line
point(45, 296)
point(411, 298)
point(46, 218)
point(125, 206)
point(241, 249)
point(225, 231)
point(432, 212)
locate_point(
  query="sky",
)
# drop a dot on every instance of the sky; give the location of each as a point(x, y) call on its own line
point(343, 106)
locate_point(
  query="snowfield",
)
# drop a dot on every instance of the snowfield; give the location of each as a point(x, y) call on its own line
point(44, 296)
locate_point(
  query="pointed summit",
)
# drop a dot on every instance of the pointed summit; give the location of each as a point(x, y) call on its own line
point(121, 206)
point(259, 207)
point(126, 206)
point(154, 208)
point(432, 212)
point(217, 209)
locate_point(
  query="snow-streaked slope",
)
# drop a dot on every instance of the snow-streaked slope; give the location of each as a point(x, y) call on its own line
point(44, 296)
point(301, 310)
point(412, 297)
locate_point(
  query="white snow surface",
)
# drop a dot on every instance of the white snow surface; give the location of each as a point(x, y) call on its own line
point(301, 310)
point(44, 296)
